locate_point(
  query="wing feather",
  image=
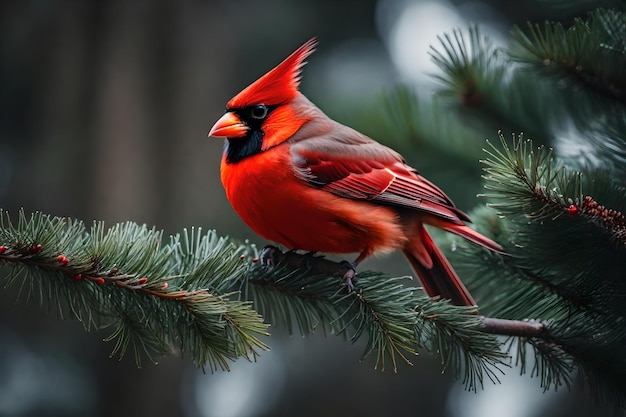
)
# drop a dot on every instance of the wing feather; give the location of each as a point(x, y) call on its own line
point(363, 169)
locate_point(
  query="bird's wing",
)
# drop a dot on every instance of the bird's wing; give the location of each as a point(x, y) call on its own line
point(349, 164)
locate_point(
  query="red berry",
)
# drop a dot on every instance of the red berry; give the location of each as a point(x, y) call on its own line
point(99, 281)
point(2, 249)
point(164, 286)
point(572, 210)
point(78, 277)
point(255, 259)
point(35, 248)
point(143, 280)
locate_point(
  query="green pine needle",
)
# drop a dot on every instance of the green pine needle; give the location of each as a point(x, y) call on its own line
point(154, 295)
point(485, 86)
point(564, 265)
point(526, 180)
point(151, 294)
point(591, 51)
point(397, 320)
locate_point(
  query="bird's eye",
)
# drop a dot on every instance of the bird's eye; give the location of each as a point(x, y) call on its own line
point(259, 111)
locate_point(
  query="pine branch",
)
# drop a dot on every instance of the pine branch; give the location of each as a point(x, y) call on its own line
point(551, 221)
point(456, 337)
point(587, 61)
point(152, 295)
point(531, 183)
point(491, 90)
point(517, 328)
point(464, 65)
point(188, 293)
point(564, 269)
point(182, 293)
point(590, 52)
point(397, 320)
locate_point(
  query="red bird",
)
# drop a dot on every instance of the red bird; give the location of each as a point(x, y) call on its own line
point(303, 180)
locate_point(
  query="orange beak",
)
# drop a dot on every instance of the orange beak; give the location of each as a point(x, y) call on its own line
point(229, 126)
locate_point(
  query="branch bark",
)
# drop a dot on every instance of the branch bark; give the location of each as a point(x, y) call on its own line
point(519, 328)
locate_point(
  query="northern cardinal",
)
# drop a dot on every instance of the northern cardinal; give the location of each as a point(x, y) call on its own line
point(303, 180)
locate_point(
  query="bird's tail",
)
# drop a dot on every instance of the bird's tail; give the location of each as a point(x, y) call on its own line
point(472, 235)
point(434, 271)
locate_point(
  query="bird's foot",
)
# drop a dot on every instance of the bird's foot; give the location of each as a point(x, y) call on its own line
point(349, 277)
point(307, 259)
point(268, 256)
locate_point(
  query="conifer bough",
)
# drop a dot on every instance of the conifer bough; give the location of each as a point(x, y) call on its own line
point(191, 293)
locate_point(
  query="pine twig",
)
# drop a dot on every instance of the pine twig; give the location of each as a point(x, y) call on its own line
point(565, 266)
point(396, 320)
point(590, 52)
point(501, 327)
point(518, 328)
point(189, 298)
point(154, 295)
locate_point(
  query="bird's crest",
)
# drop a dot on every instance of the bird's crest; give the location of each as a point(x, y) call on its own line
point(280, 84)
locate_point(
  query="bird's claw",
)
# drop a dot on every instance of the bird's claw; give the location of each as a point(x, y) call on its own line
point(349, 277)
point(307, 260)
point(268, 256)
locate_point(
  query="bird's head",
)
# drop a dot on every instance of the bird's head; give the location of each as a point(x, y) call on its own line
point(262, 115)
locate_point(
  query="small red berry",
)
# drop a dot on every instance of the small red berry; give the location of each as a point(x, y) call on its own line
point(255, 259)
point(164, 286)
point(572, 210)
point(242, 256)
point(143, 280)
point(78, 277)
point(99, 281)
point(35, 248)
point(2, 249)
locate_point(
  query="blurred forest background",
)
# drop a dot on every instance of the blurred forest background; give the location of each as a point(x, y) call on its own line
point(105, 107)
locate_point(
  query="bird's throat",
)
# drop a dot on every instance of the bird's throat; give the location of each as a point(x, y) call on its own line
point(241, 148)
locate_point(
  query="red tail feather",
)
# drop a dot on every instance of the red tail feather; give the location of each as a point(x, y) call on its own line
point(438, 279)
point(472, 235)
